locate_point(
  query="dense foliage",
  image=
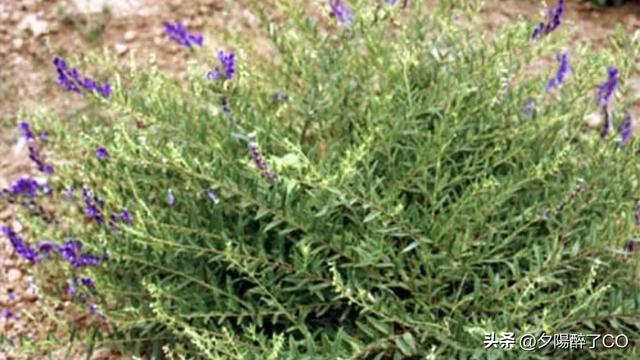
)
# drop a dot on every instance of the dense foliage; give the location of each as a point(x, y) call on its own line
point(393, 184)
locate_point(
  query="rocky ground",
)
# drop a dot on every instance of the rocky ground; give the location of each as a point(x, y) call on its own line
point(33, 31)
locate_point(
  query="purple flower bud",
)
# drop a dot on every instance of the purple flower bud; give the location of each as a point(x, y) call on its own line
point(625, 130)
point(178, 33)
point(88, 282)
point(212, 196)
point(607, 89)
point(46, 247)
point(562, 72)
point(72, 80)
point(102, 153)
point(340, 11)
point(228, 66)
point(554, 16)
point(19, 245)
point(171, 198)
point(6, 313)
point(72, 290)
point(537, 31)
point(260, 163)
point(26, 131)
point(125, 215)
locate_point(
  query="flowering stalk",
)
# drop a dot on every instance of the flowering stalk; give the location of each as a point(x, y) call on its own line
point(340, 11)
point(178, 33)
point(19, 245)
point(34, 150)
point(626, 130)
point(93, 206)
point(227, 69)
point(554, 16)
point(607, 89)
point(256, 155)
point(562, 72)
point(72, 80)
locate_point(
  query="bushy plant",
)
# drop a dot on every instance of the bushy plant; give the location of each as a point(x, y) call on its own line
point(389, 185)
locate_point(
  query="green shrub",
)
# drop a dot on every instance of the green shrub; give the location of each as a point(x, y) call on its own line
point(416, 207)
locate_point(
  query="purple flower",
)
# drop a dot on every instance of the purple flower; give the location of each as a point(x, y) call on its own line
point(11, 295)
point(562, 72)
point(19, 245)
point(6, 313)
point(171, 199)
point(102, 153)
point(87, 282)
point(25, 186)
point(34, 150)
point(44, 136)
point(537, 31)
point(26, 131)
point(125, 215)
point(36, 157)
point(228, 66)
point(390, 2)
point(93, 206)
point(46, 247)
point(71, 80)
point(178, 33)
point(625, 129)
point(212, 196)
point(553, 16)
point(95, 310)
point(607, 89)
point(341, 11)
point(71, 251)
point(256, 155)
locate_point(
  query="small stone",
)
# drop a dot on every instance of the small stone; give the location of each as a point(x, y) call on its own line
point(13, 275)
point(17, 43)
point(593, 120)
point(129, 35)
point(35, 25)
point(121, 48)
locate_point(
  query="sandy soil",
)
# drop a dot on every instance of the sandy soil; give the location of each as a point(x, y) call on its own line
point(33, 31)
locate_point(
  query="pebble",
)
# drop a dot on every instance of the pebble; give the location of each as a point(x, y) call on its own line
point(129, 35)
point(13, 275)
point(594, 119)
point(121, 48)
point(17, 43)
point(35, 25)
